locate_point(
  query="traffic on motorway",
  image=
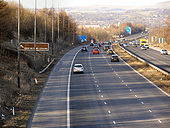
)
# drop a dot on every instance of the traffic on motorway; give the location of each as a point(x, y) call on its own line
point(158, 57)
point(102, 91)
point(84, 64)
point(114, 99)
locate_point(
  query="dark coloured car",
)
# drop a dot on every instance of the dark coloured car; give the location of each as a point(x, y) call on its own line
point(91, 44)
point(115, 58)
point(110, 52)
point(84, 49)
point(95, 46)
point(106, 47)
point(99, 44)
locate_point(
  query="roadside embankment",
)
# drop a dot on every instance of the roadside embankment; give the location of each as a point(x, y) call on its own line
point(24, 98)
point(158, 78)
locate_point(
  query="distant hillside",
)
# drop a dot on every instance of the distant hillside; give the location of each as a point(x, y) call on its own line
point(163, 4)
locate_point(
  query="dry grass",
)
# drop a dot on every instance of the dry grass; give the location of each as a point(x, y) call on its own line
point(24, 103)
point(161, 46)
point(143, 68)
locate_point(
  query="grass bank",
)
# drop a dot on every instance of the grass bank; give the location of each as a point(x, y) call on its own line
point(161, 80)
point(22, 99)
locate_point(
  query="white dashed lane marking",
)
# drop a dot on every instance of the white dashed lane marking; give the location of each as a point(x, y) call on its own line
point(114, 122)
point(150, 111)
point(116, 74)
point(109, 111)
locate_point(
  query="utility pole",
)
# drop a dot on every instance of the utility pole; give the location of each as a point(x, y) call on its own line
point(35, 34)
point(74, 32)
point(63, 26)
point(58, 24)
point(19, 72)
point(52, 28)
point(68, 30)
point(163, 41)
point(45, 28)
point(45, 34)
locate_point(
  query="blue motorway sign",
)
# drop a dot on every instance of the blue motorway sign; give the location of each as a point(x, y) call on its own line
point(128, 30)
point(82, 38)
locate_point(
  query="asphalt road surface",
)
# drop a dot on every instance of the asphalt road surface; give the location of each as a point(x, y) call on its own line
point(107, 95)
point(152, 56)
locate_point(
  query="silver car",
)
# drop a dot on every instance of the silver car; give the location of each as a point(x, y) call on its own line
point(164, 52)
point(78, 68)
point(144, 48)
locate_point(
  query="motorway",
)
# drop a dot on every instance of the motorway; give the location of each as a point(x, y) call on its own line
point(152, 56)
point(107, 95)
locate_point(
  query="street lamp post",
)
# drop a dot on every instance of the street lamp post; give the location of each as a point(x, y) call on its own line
point(63, 26)
point(19, 45)
point(52, 28)
point(45, 34)
point(45, 29)
point(164, 25)
point(58, 24)
point(35, 33)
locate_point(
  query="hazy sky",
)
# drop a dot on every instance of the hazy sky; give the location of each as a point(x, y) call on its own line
point(72, 3)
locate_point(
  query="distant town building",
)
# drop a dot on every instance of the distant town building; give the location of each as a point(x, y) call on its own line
point(91, 26)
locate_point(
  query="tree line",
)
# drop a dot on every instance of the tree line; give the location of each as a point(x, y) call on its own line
point(107, 33)
point(9, 24)
point(160, 32)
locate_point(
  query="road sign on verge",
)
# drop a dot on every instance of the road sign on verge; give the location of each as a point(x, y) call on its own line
point(128, 30)
point(29, 46)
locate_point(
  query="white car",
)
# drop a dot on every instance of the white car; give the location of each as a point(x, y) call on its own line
point(147, 46)
point(144, 48)
point(126, 45)
point(164, 52)
point(78, 68)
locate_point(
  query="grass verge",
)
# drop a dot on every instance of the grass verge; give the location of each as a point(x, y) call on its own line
point(158, 78)
point(24, 103)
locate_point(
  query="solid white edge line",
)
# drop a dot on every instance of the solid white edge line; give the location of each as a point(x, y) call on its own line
point(68, 91)
point(146, 78)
